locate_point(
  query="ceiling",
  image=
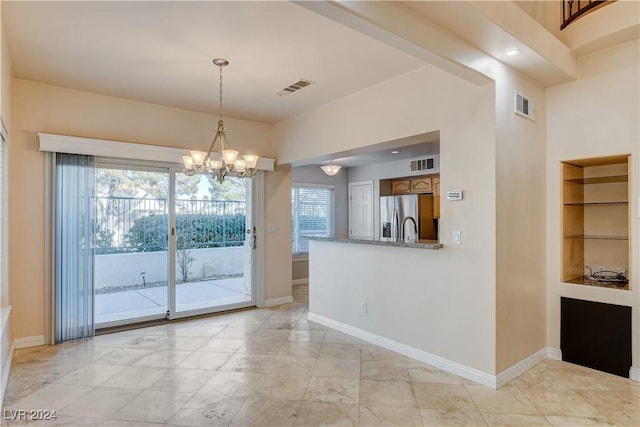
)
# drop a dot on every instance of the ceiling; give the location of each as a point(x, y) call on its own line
point(161, 52)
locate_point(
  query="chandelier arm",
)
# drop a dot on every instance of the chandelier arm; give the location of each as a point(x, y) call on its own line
point(213, 143)
point(221, 136)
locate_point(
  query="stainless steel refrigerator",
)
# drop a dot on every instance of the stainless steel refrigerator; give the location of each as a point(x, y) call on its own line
point(398, 213)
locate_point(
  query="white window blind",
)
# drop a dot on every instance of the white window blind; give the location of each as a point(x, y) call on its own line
point(312, 214)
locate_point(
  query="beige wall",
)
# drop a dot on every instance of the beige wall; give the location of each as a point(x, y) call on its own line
point(5, 114)
point(456, 319)
point(520, 221)
point(44, 108)
point(278, 248)
point(597, 115)
point(6, 337)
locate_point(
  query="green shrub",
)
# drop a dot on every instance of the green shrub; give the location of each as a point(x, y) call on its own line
point(194, 231)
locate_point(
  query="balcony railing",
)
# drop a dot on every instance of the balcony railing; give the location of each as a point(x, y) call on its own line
point(574, 9)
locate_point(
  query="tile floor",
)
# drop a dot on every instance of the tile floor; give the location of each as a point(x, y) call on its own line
point(272, 367)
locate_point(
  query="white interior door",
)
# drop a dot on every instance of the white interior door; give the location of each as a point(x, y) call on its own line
point(361, 210)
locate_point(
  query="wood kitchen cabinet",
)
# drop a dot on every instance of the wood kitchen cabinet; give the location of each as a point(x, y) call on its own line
point(401, 186)
point(417, 185)
point(436, 196)
point(421, 185)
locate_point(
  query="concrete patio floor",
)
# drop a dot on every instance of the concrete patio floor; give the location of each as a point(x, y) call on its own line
point(117, 306)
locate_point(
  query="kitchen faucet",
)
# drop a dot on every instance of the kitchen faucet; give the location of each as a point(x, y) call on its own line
point(415, 227)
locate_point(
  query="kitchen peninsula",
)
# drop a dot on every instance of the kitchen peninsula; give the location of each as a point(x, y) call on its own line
point(414, 302)
point(420, 244)
point(408, 285)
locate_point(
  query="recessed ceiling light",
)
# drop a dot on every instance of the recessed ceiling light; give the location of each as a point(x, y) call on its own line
point(395, 152)
point(512, 52)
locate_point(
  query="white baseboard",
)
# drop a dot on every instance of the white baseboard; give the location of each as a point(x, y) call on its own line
point(297, 282)
point(634, 374)
point(278, 301)
point(28, 341)
point(6, 371)
point(521, 367)
point(464, 371)
point(554, 353)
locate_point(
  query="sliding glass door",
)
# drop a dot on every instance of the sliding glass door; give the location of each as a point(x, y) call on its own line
point(131, 243)
point(168, 245)
point(212, 231)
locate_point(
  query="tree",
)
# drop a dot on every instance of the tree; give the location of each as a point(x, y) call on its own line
point(183, 253)
point(125, 195)
point(230, 189)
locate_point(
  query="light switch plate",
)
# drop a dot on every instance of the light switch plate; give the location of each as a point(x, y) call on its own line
point(456, 237)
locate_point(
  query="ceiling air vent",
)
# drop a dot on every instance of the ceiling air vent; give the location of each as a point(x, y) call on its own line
point(294, 87)
point(525, 106)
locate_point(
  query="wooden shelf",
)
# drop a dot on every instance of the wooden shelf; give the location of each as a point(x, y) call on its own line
point(609, 203)
point(594, 237)
point(595, 218)
point(599, 179)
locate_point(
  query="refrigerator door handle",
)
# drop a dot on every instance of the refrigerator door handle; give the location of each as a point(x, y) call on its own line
point(395, 229)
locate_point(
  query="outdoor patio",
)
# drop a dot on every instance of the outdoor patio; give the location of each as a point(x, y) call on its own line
point(128, 304)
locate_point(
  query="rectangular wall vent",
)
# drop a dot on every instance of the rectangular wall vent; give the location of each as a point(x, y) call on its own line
point(525, 106)
point(294, 87)
point(427, 164)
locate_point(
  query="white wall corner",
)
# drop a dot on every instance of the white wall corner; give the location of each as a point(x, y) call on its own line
point(28, 341)
point(554, 353)
point(278, 301)
point(634, 374)
point(521, 367)
point(450, 366)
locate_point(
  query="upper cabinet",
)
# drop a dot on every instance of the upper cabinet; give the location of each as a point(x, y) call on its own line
point(595, 222)
point(401, 186)
point(421, 184)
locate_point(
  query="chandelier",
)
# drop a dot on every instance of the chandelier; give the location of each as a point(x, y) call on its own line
point(223, 161)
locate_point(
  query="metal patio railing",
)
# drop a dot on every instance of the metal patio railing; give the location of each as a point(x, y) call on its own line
point(128, 224)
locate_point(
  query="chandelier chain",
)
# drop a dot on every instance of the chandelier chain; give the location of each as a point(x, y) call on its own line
point(220, 106)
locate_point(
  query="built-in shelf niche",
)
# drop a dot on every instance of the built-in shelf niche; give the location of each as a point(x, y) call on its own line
point(595, 218)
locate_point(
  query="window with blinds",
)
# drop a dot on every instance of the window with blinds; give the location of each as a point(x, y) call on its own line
point(312, 214)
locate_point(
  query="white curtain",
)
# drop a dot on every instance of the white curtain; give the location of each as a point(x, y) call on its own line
point(74, 223)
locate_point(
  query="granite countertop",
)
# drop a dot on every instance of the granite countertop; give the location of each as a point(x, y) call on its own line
point(421, 244)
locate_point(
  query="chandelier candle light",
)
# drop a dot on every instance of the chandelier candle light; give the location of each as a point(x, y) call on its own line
point(223, 161)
